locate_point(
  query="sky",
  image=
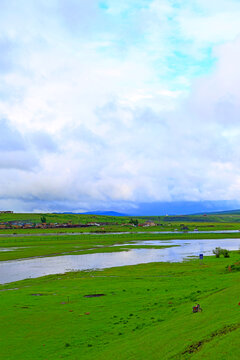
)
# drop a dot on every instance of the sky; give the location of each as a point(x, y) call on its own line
point(109, 105)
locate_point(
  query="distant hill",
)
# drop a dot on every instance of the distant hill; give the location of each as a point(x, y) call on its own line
point(224, 212)
point(104, 213)
point(181, 208)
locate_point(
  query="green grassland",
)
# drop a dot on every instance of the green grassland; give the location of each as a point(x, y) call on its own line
point(83, 218)
point(145, 313)
point(168, 226)
point(120, 223)
point(32, 246)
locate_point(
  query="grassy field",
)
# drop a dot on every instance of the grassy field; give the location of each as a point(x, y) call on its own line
point(171, 226)
point(120, 224)
point(145, 313)
point(83, 218)
point(32, 246)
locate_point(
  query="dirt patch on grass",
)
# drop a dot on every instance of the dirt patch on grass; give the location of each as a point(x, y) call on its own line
point(93, 295)
point(197, 346)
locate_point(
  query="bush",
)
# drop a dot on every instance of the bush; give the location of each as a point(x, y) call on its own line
point(225, 253)
point(43, 219)
point(218, 251)
point(134, 222)
point(234, 267)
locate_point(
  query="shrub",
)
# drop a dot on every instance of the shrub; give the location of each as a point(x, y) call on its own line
point(134, 222)
point(43, 219)
point(233, 267)
point(218, 251)
point(225, 253)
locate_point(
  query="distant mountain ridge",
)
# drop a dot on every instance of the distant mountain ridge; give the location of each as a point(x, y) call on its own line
point(169, 208)
point(103, 213)
point(106, 213)
point(223, 212)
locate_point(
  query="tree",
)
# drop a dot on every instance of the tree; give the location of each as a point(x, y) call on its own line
point(218, 251)
point(43, 219)
point(134, 222)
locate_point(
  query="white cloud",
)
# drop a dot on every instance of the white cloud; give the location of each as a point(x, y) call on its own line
point(105, 119)
point(216, 28)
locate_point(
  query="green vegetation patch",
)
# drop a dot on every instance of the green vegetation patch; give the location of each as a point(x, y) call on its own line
point(203, 222)
point(144, 312)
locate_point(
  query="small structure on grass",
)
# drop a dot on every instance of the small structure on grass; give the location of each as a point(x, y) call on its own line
point(196, 309)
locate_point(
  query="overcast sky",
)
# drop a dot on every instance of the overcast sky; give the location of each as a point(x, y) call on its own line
point(109, 104)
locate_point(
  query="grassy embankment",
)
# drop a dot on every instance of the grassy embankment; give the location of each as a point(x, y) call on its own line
point(145, 313)
point(31, 246)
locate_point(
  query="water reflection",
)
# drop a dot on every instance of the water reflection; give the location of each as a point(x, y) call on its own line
point(22, 269)
point(9, 249)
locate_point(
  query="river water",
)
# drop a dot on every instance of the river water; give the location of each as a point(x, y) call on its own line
point(21, 269)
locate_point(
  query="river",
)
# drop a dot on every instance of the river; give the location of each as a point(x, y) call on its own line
point(15, 270)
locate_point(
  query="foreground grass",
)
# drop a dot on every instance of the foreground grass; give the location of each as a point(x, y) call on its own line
point(145, 313)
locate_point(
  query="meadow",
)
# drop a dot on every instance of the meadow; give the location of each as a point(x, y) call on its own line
point(207, 222)
point(124, 313)
point(145, 312)
point(171, 226)
point(232, 217)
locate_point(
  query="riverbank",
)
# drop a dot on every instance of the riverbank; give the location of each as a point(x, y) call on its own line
point(36, 246)
point(31, 247)
point(139, 316)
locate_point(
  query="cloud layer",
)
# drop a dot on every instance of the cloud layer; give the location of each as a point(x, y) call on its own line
point(108, 104)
